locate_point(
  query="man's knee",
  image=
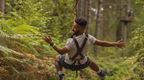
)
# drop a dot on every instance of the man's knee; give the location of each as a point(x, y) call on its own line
point(92, 63)
point(57, 59)
point(58, 63)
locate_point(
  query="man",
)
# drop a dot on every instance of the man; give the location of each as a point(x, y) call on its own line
point(74, 55)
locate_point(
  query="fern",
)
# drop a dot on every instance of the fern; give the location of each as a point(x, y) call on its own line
point(15, 42)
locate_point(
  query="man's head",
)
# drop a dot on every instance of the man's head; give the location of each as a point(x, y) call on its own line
point(79, 25)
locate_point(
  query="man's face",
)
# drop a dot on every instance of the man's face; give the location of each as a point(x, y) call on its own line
point(75, 28)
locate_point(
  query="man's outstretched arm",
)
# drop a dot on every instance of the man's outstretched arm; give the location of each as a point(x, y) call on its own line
point(59, 50)
point(119, 43)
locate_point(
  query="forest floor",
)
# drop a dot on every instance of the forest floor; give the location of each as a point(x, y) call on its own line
point(25, 66)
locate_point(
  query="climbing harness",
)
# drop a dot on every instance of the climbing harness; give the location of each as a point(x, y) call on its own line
point(79, 50)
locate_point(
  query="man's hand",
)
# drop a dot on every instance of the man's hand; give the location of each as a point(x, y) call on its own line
point(120, 43)
point(48, 39)
point(64, 50)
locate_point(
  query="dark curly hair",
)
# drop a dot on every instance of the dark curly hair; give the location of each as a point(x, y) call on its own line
point(82, 22)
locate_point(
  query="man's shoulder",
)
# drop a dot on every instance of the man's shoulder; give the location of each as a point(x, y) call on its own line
point(69, 39)
point(89, 35)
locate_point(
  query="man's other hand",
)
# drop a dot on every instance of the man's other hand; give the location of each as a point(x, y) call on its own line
point(121, 44)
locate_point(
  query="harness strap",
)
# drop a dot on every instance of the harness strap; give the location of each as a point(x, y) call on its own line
point(79, 49)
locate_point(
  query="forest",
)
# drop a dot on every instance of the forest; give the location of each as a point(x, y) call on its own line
point(24, 55)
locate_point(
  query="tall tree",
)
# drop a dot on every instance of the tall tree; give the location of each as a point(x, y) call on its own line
point(99, 22)
point(12, 2)
point(125, 19)
point(2, 6)
point(83, 9)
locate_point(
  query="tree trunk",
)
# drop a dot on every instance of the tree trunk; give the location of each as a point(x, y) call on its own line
point(99, 20)
point(99, 23)
point(125, 19)
point(82, 9)
point(12, 4)
point(2, 6)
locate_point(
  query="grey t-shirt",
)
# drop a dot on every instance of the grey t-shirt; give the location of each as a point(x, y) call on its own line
point(73, 49)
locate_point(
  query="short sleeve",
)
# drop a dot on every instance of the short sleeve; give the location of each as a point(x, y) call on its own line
point(69, 43)
point(92, 39)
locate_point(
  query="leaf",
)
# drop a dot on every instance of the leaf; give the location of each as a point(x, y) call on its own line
point(25, 29)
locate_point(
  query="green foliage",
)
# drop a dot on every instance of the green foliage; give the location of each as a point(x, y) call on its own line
point(59, 17)
point(25, 20)
point(136, 44)
point(27, 10)
point(138, 13)
point(25, 29)
point(138, 38)
point(135, 50)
